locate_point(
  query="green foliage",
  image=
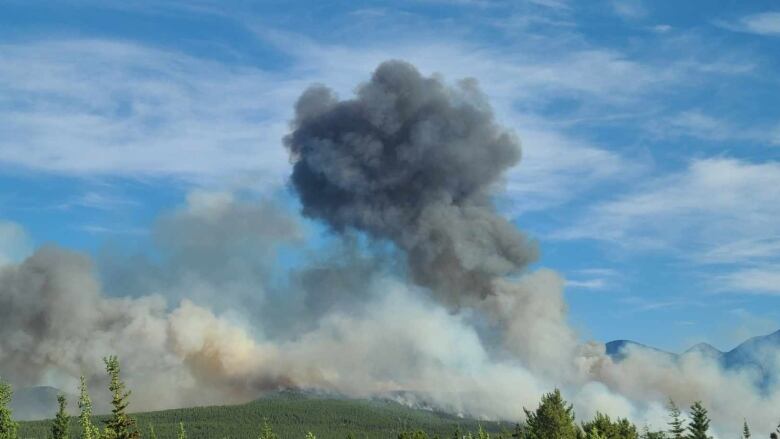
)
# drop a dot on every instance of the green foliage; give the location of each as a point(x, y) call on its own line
point(182, 432)
point(88, 429)
point(152, 434)
point(119, 425)
point(292, 415)
point(8, 428)
point(266, 432)
point(609, 429)
point(60, 429)
point(745, 430)
point(310, 435)
point(417, 434)
point(676, 423)
point(594, 433)
point(553, 419)
point(647, 434)
point(700, 422)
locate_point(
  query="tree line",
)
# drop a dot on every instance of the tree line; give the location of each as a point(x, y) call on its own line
point(554, 418)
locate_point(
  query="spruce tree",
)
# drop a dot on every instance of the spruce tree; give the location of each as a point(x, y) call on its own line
point(700, 422)
point(88, 429)
point(745, 430)
point(182, 433)
point(554, 418)
point(310, 435)
point(676, 423)
point(267, 432)
point(60, 429)
point(120, 425)
point(8, 428)
point(152, 434)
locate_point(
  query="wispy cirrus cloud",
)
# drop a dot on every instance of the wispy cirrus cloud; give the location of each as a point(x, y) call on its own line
point(763, 279)
point(718, 210)
point(763, 23)
point(97, 107)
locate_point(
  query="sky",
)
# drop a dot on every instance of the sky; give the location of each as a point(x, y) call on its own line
point(650, 174)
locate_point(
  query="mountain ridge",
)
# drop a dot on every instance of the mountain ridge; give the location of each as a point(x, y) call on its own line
point(758, 355)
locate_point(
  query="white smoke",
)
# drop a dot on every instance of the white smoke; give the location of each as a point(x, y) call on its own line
point(216, 315)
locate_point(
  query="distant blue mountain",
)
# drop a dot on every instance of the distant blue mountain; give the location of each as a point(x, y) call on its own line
point(758, 355)
point(34, 402)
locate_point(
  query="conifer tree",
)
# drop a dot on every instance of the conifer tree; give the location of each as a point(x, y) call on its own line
point(482, 434)
point(700, 422)
point(120, 425)
point(8, 428)
point(593, 433)
point(676, 423)
point(182, 432)
point(267, 432)
point(60, 429)
point(554, 418)
point(457, 433)
point(647, 434)
point(152, 434)
point(310, 435)
point(745, 430)
point(609, 429)
point(88, 429)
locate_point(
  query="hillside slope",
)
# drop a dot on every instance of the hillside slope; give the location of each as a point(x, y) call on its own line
point(292, 414)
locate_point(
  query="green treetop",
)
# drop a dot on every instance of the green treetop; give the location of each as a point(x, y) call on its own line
point(88, 429)
point(676, 423)
point(120, 425)
point(554, 418)
point(609, 429)
point(60, 429)
point(700, 422)
point(267, 432)
point(8, 428)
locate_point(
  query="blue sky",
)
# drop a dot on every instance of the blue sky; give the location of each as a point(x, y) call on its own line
point(651, 131)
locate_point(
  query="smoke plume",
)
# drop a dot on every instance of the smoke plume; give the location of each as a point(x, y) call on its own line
point(412, 160)
point(214, 314)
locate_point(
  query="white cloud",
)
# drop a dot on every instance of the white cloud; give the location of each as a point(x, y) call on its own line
point(103, 107)
point(713, 202)
point(629, 9)
point(758, 280)
point(106, 107)
point(766, 23)
point(701, 125)
point(716, 211)
point(96, 107)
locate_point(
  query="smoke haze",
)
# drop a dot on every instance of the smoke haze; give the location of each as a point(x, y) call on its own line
point(461, 322)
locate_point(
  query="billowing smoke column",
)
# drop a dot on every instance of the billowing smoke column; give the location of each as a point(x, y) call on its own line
point(207, 319)
point(412, 160)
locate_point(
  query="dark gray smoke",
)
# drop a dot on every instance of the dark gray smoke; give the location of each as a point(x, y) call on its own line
point(412, 160)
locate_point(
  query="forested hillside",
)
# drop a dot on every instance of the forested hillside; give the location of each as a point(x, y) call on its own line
point(292, 415)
